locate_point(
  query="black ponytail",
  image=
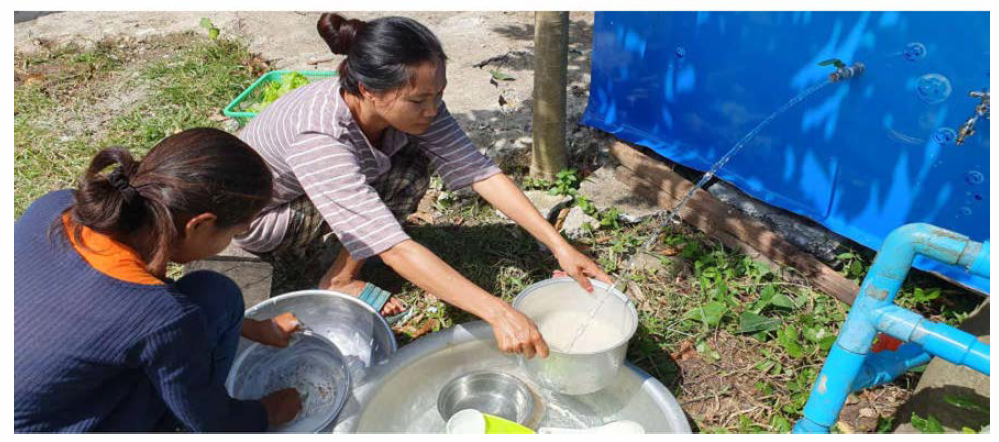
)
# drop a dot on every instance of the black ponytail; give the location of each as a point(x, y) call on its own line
point(195, 171)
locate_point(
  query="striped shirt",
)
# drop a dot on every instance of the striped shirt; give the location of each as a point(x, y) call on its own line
point(314, 147)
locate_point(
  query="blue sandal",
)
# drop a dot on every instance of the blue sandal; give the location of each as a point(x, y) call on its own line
point(377, 297)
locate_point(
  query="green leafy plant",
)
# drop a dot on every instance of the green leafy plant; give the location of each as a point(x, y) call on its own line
point(928, 425)
point(608, 219)
point(780, 424)
point(884, 425)
point(566, 183)
point(213, 32)
point(788, 339)
point(966, 404)
point(530, 183)
point(920, 297)
point(275, 89)
point(704, 349)
point(750, 322)
point(499, 76)
point(584, 203)
point(445, 200)
point(853, 265)
point(710, 314)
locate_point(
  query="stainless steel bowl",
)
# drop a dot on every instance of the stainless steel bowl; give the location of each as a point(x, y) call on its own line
point(498, 394)
point(311, 364)
point(358, 331)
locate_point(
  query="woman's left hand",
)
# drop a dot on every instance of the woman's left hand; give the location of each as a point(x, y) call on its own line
point(276, 331)
point(580, 268)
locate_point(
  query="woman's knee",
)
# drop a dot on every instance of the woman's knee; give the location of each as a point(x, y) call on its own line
point(216, 293)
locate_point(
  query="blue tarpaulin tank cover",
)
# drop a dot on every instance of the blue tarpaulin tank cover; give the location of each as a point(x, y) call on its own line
point(861, 157)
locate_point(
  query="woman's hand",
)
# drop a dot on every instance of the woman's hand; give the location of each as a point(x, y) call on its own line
point(276, 331)
point(516, 333)
point(579, 267)
point(281, 406)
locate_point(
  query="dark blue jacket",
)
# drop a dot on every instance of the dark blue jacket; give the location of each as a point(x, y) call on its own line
point(93, 353)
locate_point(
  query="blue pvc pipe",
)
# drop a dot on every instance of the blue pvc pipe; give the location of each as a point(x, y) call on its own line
point(883, 367)
point(953, 345)
point(949, 343)
point(833, 385)
point(876, 369)
point(849, 367)
point(980, 266)
point(806, 426)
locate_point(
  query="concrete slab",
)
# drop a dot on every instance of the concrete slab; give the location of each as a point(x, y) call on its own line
point(252, 277)
point(548, 205)
point(574, 222)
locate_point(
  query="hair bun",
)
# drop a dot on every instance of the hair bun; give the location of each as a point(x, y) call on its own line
point(339, 32)
point(120, 181)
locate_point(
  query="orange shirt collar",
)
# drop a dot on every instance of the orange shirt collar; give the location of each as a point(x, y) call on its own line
point(108, 256)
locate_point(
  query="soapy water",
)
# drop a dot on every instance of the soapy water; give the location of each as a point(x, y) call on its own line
point(557, 328)
point(551, 409)
point(306, 365)
point(314, 389)
point(667, 215)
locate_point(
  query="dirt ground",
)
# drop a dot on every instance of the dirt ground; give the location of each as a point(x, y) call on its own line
point(497, 117)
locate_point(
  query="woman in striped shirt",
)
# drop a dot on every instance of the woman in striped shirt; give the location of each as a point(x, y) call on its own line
point(351, 155)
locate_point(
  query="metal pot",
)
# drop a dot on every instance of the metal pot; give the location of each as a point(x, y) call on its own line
point(358, 331)
point(311, 364)
point(355, 333)
point(583, 369)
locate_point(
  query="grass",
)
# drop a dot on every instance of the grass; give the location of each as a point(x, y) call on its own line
point(737, 342)
point(55, 87)
point(185, 90)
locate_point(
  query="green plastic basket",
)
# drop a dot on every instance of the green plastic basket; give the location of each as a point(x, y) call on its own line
point(243, 116)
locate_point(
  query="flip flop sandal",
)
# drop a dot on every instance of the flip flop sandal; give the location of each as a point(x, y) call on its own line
point(377, 297)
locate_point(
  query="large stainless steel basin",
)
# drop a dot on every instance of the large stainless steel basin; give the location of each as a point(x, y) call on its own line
point(400, 396)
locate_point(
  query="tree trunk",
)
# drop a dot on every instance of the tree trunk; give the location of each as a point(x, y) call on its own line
point(551, 50)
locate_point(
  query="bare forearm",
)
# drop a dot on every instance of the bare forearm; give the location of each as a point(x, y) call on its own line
point(344, 269)
point(422, 267)
point(251, 329)
point(505, 196)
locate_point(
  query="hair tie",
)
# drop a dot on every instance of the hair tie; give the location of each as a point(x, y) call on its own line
point(120, 182)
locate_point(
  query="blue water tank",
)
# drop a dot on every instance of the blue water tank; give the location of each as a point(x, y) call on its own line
point(861, 157)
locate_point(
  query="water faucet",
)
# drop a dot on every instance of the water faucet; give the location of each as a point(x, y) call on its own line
point(845, 72)
point(981, 110)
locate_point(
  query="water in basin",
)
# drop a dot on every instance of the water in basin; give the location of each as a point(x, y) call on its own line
point(402, 397)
